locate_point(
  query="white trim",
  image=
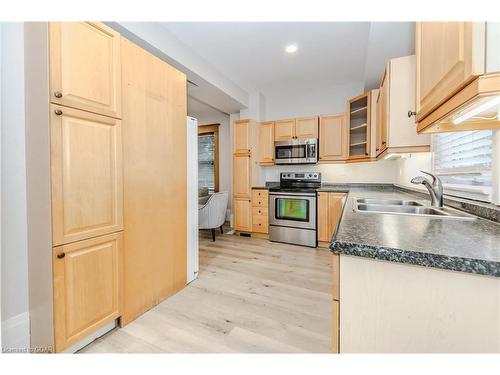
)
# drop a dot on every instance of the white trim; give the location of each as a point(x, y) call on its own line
point(92, 337)
point(16, 333)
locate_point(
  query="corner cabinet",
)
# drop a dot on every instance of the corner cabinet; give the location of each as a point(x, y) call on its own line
point(85, 67)
point(87, 287)
point(333, 138)
point(396, 96)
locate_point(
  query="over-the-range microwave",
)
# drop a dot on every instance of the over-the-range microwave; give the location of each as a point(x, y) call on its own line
point(296, 151)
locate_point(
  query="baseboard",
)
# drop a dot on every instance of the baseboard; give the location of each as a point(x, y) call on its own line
point(92, 337)
point(16, 333)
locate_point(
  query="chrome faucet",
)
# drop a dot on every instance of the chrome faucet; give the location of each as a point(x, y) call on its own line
point(435, 188)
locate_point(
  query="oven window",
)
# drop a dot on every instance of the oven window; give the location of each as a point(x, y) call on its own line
point(290, 151)
point(292, 209)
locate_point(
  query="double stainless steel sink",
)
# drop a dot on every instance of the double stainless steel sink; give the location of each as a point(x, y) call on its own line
point(407, 207)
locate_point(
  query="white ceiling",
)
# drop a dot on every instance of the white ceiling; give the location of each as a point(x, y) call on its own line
point(330, 53)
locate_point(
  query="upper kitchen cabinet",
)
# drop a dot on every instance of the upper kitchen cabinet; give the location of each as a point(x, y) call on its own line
point(242, 137)
point(306, 127)
point(395, 129)
point(284, 130)
point(300, 128)
point(359, 113)
point(266, 143)
point(457, 73)
point(333, 138)
point(85, 69)
point(86, 168)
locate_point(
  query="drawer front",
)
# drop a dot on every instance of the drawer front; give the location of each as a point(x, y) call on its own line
point(260, 224)
point(260, 212)
point(260, 198)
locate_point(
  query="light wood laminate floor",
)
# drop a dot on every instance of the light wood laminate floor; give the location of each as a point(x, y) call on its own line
point(251, 296)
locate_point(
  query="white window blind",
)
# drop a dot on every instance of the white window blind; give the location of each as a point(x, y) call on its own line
point(463, 161)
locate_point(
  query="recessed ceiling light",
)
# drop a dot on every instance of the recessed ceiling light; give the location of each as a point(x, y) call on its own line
point(291, 48)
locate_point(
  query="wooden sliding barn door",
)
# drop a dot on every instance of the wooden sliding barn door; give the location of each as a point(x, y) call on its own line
point(154, 174)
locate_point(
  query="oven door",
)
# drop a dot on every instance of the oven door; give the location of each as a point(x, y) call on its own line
point(295, 210)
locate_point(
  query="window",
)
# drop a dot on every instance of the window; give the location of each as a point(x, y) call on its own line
point(464, 162)
point(208, 160)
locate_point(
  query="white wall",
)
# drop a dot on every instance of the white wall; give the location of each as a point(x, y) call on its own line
point(410, 166)
point(383, 171)
point(15, 317)
point(329, 100)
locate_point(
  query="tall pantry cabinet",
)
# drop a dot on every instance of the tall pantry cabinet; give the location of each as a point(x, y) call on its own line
point(118, 171)
point(86, 178)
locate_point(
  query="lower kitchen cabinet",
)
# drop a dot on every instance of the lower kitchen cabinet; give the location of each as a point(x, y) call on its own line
point(87, 287)
point(329, 213)
point(242, 208)
point(260, 212)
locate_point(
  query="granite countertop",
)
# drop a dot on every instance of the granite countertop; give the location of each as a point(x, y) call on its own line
point(458, 245)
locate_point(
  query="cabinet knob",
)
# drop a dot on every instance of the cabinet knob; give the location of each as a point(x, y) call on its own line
point(411, 113)
point(377, 149)
point(61, 255)
point(384, 142)
point(58, 94)
point(58, 112)
point(366, 153)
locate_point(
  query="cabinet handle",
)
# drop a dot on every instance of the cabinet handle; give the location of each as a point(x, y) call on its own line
point(61, 255)
point(377, 149)
point(384, 142)
point(58, 94)
point(58, 112)
point(411, 113)
point(366, 153)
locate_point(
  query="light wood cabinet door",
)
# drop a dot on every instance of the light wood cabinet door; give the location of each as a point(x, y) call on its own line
point(323, 217)
point(266, 142)
point(242, 214)
point(329, 213)
point(306, 128)
point(449, 55)
point(382, 114)
point(333, 138)
point(86, 287)
point(335, 206)
point(284, 130)
point(86, 168)
point(241, 137)
point(242, 176)
point(85, 67)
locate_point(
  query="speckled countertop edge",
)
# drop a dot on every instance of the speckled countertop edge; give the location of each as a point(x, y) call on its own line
point(475, 266)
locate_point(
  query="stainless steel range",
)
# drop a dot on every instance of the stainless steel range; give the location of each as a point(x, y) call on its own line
point(292, 208)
